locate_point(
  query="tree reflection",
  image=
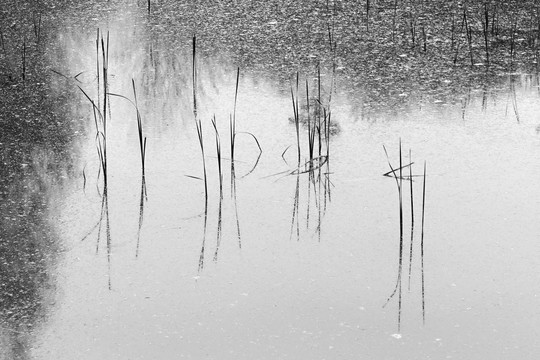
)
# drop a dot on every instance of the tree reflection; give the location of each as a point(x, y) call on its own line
point(36, 158)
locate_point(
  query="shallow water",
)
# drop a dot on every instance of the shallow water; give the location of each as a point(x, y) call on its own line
point(279, 266)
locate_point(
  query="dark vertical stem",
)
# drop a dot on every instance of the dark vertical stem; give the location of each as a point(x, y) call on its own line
point(296, 117)
point(198, 124)
point(194, 77)
point(24, 60)
point(149, 6)
point(399, 183)
point(367, 14)
point(311, 129)
point(233, 120)
point(412, 220)
point(142, 138)
point(218, 155)
point(105, 64)
point(319, 107)
point(486, 31)
point(97, 65)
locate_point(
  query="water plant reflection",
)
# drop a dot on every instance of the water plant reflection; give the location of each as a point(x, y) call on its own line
point(399, 176)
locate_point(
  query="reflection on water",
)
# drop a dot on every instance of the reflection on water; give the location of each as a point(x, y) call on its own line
point(37, 157)
point(399, 175)
point(130, 261)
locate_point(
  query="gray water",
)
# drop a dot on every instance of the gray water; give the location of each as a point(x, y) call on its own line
point(280, 265)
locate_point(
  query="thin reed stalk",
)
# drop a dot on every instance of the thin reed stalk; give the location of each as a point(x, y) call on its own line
point(399, 183)
point(142, 138)
point(485, 28)
point(218, 155)
point(296, 116)
point(201, 143)
point(194, 77)
point(97, 64)
point(311, 128)
point(412, 220)
point(24, 60)
point(232, 120)
point(105, 69)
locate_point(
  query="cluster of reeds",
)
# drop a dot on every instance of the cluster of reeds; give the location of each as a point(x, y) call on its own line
point(399, 176)
point(233, 134)
point(317, 121)
point(100, 113)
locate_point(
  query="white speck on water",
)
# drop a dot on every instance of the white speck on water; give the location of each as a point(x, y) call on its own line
point(396, 336)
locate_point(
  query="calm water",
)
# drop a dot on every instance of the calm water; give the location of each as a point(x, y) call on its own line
point(279, 266)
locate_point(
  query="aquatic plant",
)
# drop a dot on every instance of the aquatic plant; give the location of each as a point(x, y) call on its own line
point(232, 119)
point(194, 76)
point(218, 155)
point(399, 177)
point(296, 116)
point(198, 125)
point(399, 184)
point(412, 220)
point(422, 245)
point(142, 138)
point(23, 74)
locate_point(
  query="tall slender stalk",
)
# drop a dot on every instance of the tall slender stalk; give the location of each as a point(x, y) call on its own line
point(412, 219)
point(200, 135)
point(97, 65)
point(194, 76)
point(105, 68)
point(485, 24)
point(24, 60)
point(232, 127)
point(296, 116)
point(142, 138)
point(399, 183)
point(218, 155)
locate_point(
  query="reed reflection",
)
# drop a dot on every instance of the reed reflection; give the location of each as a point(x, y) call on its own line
point(399, 176)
